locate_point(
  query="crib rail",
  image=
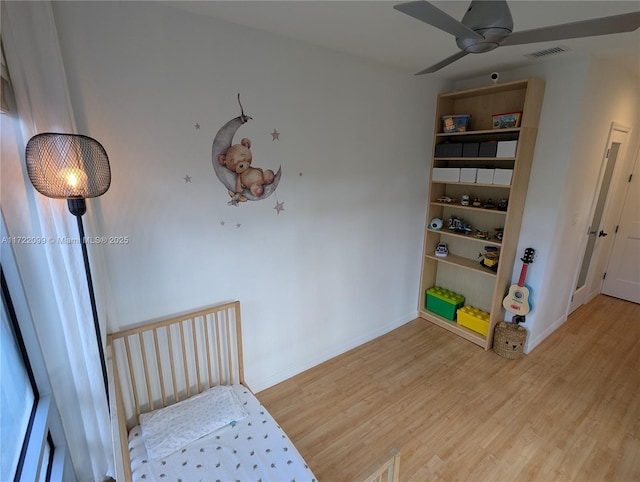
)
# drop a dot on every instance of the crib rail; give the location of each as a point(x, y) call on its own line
point(163, 362)
point(385, 470)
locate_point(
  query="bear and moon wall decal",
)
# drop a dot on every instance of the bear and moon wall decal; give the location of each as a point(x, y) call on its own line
point(232, 164)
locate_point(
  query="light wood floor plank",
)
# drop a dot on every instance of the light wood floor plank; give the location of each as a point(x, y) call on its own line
point(568, 411)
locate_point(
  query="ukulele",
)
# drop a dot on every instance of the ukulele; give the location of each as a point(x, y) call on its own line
point(517, 300)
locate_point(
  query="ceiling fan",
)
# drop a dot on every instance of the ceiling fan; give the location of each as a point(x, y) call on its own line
point(487, 25)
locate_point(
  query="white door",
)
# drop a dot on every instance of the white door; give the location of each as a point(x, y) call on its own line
point(605, 211)
point(622, 278)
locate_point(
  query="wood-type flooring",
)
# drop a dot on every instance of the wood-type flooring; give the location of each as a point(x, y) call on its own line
point(568, 411)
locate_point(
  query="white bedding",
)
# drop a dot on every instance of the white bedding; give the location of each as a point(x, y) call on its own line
point(252, 449)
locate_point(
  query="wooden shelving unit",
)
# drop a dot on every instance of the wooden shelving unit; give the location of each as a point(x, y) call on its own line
point(461, 270)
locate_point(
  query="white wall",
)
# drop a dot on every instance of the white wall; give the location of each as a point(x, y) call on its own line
point(582, 97)
point(339, 266)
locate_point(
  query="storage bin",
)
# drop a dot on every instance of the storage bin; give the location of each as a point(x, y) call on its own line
point(506, 149)
point(485, 176)
point(488, 149)
point(446, 174)
point(449, 149)
point(502, 176)
point(468, 174)
point(474, 319)
point(509, 339)
point(443, 302)
point(470, 149)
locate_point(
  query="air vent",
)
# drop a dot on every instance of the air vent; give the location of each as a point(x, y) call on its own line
point(547, 52)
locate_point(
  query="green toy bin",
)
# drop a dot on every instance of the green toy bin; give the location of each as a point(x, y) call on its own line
point(443, 302)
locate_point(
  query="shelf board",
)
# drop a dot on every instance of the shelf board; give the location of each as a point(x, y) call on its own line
point(470, 208)
point(462, 262)
point(472, 184)
point(474, 159)
point(481, 132)
point(452, 326)
point(446, 232)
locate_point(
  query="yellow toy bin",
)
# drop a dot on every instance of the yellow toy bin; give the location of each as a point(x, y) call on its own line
point(474, 319)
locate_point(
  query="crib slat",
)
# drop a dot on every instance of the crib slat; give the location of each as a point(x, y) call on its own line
point(195, 352)
point(218, 348)
point(208, 350)
point(146, 369)
point(132, 375)
point(159, 365)
point(239, 354)
point(172, 364)
point(184, 360)
point(229, 350)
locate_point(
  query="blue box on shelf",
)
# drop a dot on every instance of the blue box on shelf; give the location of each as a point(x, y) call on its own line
point(455, 123)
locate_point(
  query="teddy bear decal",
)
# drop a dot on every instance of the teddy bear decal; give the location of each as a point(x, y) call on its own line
point(232, 164)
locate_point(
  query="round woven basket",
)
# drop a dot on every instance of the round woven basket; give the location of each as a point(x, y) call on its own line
point(508, 340)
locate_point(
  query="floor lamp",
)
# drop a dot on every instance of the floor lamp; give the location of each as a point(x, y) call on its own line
point(72, 167)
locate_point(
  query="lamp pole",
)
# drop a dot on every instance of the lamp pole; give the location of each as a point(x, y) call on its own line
point(78, 207)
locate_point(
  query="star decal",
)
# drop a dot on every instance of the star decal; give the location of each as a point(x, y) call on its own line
point(197, 126)
point(187, 179)
point(275, 135)
point(279, 207)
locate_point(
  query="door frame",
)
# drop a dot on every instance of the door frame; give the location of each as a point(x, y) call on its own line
point(584, 294)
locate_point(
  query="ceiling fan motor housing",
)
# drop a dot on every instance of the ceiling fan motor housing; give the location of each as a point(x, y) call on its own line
point(492, 20)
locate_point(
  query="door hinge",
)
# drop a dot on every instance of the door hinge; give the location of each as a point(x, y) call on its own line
point(616, 229)
point(607, 156)
point(604, 276)
point(630, 176)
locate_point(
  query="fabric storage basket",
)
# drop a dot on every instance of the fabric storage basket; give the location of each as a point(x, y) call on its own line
point(508, 340)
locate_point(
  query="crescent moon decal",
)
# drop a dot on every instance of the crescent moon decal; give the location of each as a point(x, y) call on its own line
point(221, 143)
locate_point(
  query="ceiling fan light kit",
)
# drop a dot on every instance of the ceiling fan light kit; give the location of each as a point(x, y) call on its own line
point(488, 24)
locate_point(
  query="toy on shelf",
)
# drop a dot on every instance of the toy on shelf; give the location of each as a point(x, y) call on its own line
point(435, 224)
point(476, 202)
point(457, 225)
point(489, 259)
point(445, 199)
point(503, 204)
point(489, 204)
point(465, 200)
point(442, 250)
point(498, 233)
point(482, 234)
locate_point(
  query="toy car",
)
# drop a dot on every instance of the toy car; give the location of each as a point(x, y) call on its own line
point(445, 199)
point(458, 225)
point(442, 250)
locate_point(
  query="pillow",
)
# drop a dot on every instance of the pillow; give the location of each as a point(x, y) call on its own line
point(170, 428)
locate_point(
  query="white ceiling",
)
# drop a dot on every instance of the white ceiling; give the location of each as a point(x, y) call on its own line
point(374, 30)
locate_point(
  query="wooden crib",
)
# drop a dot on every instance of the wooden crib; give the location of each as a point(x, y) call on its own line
point(160, 365)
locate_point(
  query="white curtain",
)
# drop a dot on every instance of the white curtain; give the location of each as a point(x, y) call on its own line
point(39, 82)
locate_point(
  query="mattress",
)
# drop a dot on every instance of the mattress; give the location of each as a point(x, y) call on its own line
point(252, 449)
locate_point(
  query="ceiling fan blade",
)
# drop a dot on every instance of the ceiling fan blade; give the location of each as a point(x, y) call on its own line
point(426, 12)
point(443, 63)
point(586, 28)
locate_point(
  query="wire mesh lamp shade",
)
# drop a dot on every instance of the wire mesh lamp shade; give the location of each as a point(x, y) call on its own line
point(67, 166)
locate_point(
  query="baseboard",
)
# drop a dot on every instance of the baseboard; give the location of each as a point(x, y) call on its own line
point(533, 342)
point(291, 372)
